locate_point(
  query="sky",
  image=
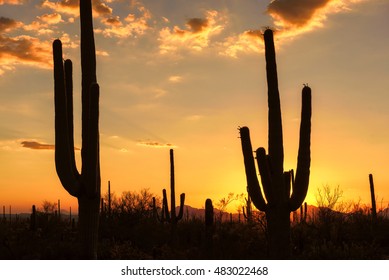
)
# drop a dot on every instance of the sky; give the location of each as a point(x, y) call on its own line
point(186, 74)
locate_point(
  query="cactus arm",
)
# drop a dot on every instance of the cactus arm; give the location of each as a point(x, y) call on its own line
point(68, 67)
point(64, 146)
point(165, 208)
point(276, 150)
point(93, 171)
point(182, 203)
point(88, 71)
point(263, 166)
point(304, 153)
point(253, 187)
point(288, 178)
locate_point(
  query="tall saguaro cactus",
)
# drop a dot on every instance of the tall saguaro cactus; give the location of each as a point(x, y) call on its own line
point(283, 192)
point(171, 216)
point(84, 185)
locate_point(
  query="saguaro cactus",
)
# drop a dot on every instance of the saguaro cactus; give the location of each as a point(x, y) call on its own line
point(33, 219)
point(373, 204)
point(209, 228)
point(276, 183)
point(171, 216)
point(84, 185)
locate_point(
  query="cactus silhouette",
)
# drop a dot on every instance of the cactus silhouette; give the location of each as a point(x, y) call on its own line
point(84, 185)
point(277, 184)
point(303, 213)
point(247, 210)
point(33, 219)
point(171, 216)
point(373, 202)
point(209, 228)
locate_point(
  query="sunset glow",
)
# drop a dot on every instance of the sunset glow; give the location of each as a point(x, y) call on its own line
point(184, 75)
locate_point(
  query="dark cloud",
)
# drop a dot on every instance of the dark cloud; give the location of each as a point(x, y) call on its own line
point(36, 145)
point(24, 49)
point(101, 8)
point(7, 24)
point(197, 24)
point(112, 21)
point(296, 12)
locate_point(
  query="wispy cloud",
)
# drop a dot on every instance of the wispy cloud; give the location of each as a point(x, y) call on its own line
point(194, 118)
point(175, 79)
point(196, 36)
point(34, 145)
point(155, 144)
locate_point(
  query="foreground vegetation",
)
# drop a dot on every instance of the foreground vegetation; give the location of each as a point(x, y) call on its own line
point(130, 230)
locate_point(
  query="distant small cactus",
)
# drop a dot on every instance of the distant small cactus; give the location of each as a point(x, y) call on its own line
point(33, 219)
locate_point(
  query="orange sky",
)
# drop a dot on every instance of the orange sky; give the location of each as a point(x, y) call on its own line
point(187, 74)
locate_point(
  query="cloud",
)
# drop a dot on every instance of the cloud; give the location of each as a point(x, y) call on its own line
point(24, 50)
point(7, 24)
point(295, 13)
point(155, 144)
point(36, 145)
point(12, 2)
point(50, 18)
point(296, 17)
point(247, 42)
point(175, 79)
point(132, 26)
point(42, 24)
point(195, 37)
point(71, 7)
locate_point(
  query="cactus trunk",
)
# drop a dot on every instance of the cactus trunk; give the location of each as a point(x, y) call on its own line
point(86, 184)
point(88, 215)
point(283, 192)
